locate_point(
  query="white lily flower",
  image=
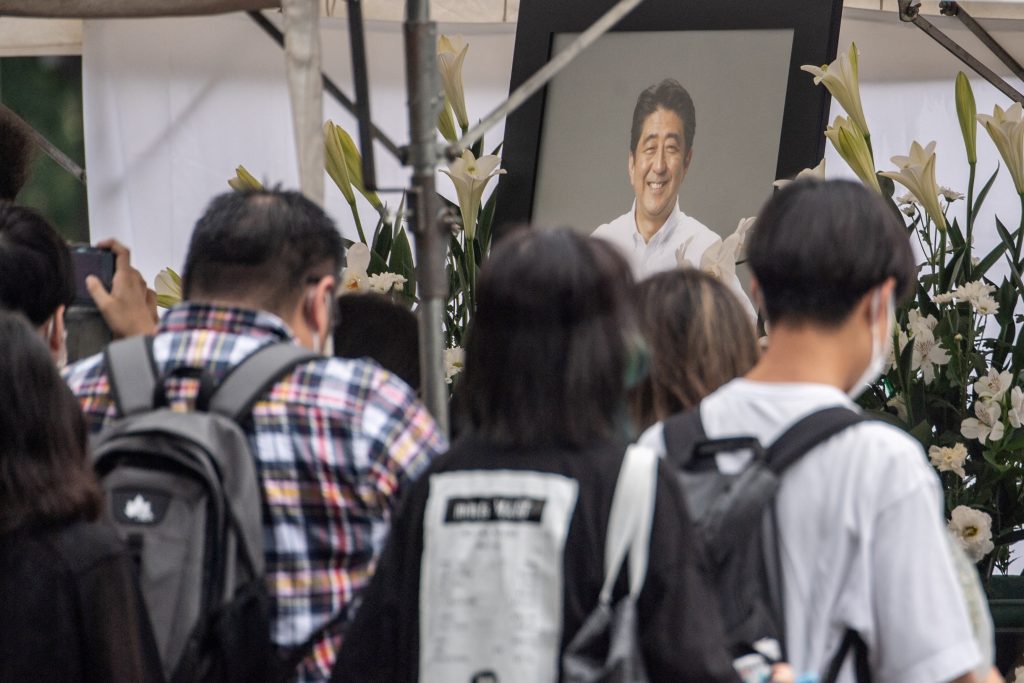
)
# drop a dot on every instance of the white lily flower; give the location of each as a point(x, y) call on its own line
point(840, 78)
point(741, 232)
point(1016, 413)
point(818, 172)
point(384, 282)
point(928, 354)
point(168, 288)
point(986, 426)
point(949, 459)
point(917, 174)
point(918, 323)
point(719, 259)
point(454, 360)
point(993, 385)
point(1006, 128)
point(681, 260)
point(451, 53)
point(357, 260)
point(972, 530)
point(470, 176)
point(849, 141)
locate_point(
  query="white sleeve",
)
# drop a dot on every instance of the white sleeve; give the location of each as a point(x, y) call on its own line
point(923, 630)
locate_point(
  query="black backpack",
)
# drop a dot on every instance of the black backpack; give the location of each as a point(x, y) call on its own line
point(735, 518)
point(182, 491)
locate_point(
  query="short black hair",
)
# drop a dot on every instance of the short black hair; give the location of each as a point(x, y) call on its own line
point(36, 274)
point(665, 95)
point(261, 246)
point(370, 325)
point(548, 349)
point(45, 476)
point(15, 155)
point(818, 246)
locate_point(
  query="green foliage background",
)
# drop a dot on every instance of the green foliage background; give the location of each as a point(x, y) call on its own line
point(47, 93)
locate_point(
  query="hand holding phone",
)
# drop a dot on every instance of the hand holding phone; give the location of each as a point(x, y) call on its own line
point(124, 300)
point(94, 261)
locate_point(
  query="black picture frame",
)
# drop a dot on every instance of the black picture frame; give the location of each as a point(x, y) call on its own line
point(815, 27)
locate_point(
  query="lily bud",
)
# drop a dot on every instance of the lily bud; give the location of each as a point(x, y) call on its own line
point(967, 112)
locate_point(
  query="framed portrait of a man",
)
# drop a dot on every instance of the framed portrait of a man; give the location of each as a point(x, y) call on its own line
point(671, 128)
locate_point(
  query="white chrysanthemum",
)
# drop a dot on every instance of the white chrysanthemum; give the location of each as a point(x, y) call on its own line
point(384, 282)
point(949, 459)
point(986, 426)
point(972, 530)
point(944, 298)
point(949, 195)
point(454, 359)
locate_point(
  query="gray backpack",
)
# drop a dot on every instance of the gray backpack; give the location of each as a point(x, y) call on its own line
point(182, 491)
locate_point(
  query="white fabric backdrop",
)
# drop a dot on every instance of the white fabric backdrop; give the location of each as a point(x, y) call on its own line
point(173, 105)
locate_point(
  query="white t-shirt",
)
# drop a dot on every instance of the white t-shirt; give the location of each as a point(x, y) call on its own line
point(659, 254)
point(861, 538)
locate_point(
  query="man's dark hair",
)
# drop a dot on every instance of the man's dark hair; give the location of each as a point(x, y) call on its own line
point(260, 247)
point(36, 274)
point(370, 325)
point(818, 247)
point(45, 477)
point(15, 155)
point(548, 350)
point(665, 95)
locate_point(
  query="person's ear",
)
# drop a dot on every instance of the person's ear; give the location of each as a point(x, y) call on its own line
point(631, 163)
point(687, 159)
point(55, 337)
point(318, 304)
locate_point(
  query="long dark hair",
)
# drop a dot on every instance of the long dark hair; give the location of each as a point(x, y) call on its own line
point(45, 477)
point(699, 338)
point(551, 342)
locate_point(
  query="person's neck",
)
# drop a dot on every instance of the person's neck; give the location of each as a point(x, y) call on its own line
point(807, 354)
point(649, 227)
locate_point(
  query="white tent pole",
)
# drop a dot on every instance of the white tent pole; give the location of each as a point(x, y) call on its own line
point(302, 57)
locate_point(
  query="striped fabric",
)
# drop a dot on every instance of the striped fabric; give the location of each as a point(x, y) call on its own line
point(337, 443)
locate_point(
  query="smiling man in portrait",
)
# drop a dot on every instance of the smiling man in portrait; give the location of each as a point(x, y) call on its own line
point(655, 234)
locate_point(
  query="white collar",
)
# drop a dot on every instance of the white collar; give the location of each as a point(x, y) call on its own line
point(664, 232)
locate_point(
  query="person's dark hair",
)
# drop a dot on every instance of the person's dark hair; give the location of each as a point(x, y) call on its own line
point(370, 325)
point(15, 155)
point(260, 246)
point(551, 343)
point(36, 274)
point(698, 337)
point(818, 246)
point(45, 477)
point(665, 95)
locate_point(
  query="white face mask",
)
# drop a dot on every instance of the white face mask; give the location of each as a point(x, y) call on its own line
point(879, 349)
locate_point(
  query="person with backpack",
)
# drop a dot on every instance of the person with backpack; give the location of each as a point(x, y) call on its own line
point(220, 413)
point(494, 569)
point(70, 607)
point(857, 576)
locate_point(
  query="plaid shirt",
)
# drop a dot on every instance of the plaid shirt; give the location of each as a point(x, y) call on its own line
point(336, 441)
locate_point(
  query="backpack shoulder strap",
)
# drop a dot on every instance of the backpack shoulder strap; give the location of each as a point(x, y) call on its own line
point(254, 376)
point(132, 373)
point(862, 666)
point(807, 433)
point(682, 432)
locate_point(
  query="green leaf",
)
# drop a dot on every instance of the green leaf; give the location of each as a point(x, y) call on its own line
point(383, 237)
point(989, 260)
point(956, 237)
point(401, 261)
point(485, 225)
point(923, 433)
point(949, 275)
point(982, 194)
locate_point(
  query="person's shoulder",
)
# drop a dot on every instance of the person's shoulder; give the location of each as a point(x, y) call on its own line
point(343, 385)
point(692, 229)
point(83, 545)
point(616, 229)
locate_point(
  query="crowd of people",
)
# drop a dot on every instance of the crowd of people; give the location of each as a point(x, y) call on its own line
point(391, 555)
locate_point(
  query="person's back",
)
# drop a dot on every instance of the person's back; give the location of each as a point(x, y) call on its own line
point(860, 522)
point(336, 441)
point(71, 610)
point(496, 560)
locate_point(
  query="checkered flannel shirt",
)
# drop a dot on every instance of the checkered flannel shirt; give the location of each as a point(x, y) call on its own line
point(337, 442)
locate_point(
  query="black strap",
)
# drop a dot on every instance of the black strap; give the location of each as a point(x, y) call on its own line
point(132, 373)
point(681, 432)
point(807, 433)
point(851, 639)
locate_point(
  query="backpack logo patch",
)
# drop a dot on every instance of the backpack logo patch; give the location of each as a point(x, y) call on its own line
point(137, 506)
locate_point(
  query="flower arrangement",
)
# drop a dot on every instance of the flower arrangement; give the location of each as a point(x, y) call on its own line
point(383, 262)
point(956, 380)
